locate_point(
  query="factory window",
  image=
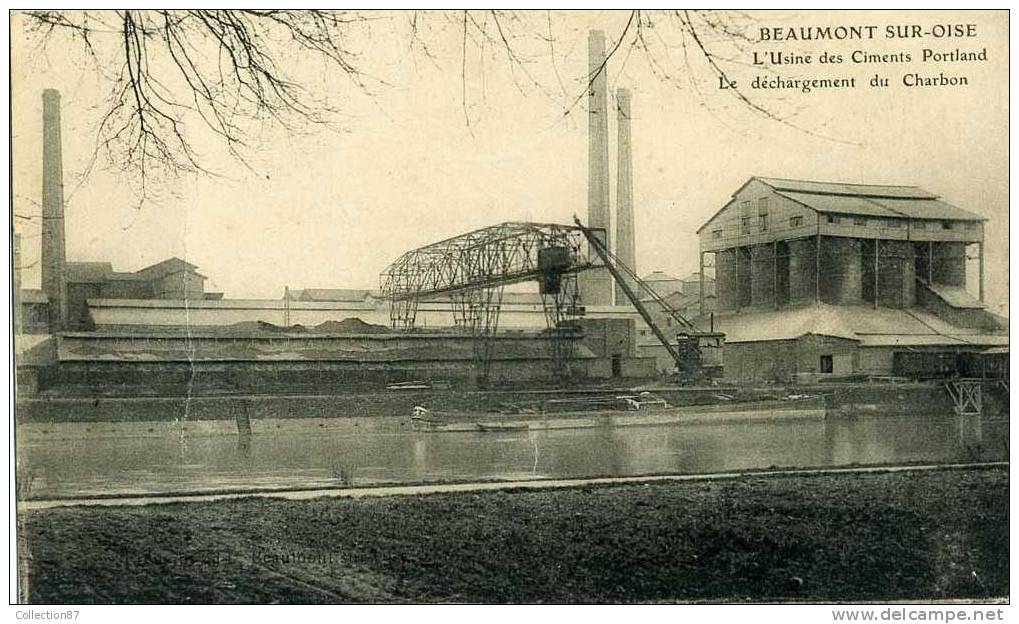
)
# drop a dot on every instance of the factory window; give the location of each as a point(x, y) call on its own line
point(893, 223)
point(859, 221)
point(795, 222)
point(762, 206)
point(764, 222)
point(833, 218)
point(946, 225)
point(919, 225)
point(827, 364)
point(716, 234)
point(745, 225)
point(745, 207)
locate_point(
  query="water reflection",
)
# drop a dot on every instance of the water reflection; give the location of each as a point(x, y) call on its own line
point(75, 459)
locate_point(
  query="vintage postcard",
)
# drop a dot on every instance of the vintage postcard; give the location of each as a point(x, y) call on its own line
point(511, 306)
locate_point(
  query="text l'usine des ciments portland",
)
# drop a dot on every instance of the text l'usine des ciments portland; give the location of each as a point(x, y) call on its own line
point(809, 59)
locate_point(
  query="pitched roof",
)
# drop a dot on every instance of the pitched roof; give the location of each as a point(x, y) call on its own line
point(87, 272)
point(928, 209)
point(658, 276)
point(872, 200)
point(170, 265)
point(866, 199)
point(696, 277)
point(843, 188)
point(842, 204)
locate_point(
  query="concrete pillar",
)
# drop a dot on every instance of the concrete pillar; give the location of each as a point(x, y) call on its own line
point(596, 286)
point(802, 280)
point(625, 249)
point(725, 279)
point(949, 267)
point(744, 275)
point(762, 275)
point(54, 282)
point(896, 282)
point(841, 272)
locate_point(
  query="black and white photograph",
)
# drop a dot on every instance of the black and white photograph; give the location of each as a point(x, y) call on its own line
point(692, 307)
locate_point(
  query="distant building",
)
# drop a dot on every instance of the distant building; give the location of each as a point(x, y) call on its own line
point(663, 283)
point(35, 315)
point(819, 278)
point(344, 295)
point(170, 279)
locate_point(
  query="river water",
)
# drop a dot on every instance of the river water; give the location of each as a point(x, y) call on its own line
point(89, 459)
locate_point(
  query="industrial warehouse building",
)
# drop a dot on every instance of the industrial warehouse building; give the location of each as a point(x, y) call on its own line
point(817, 279)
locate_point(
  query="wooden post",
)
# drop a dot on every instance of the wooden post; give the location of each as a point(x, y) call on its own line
point(877, 269)
point(817, 268)
point(735, 251)
point(774, 284)
point(930, 263)
point(981, 256)
point(702, 281)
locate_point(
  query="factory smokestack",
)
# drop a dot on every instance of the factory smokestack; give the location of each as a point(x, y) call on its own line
point(625, 249)
point(596, 286)
point(53, 250)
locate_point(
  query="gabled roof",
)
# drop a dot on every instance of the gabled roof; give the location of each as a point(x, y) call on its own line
point(696, 277)
point(872, 200)
point(87, 272)
point(658, 276)
point(843, 188)
point(166, 267)
point(841, 204)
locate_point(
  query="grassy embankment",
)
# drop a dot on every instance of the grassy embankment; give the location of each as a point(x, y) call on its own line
point(850, 537)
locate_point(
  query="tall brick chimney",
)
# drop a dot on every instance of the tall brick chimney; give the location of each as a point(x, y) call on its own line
point(596, 286)
point(625, 249)
point(53, 250)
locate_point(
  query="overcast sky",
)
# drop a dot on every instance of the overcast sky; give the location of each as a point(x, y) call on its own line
point(332, 208)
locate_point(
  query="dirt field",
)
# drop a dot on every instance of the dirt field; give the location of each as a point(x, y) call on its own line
point(850, 537)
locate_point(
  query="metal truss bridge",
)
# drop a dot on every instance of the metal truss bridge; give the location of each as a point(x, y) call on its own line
point(471, 270)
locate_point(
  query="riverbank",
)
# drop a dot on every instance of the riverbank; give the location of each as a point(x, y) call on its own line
point(894, 536)
point(844, 399)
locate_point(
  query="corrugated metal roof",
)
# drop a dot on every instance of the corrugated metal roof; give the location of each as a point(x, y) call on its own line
point(842, 204)
point(842, 188)
point(927, 209)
